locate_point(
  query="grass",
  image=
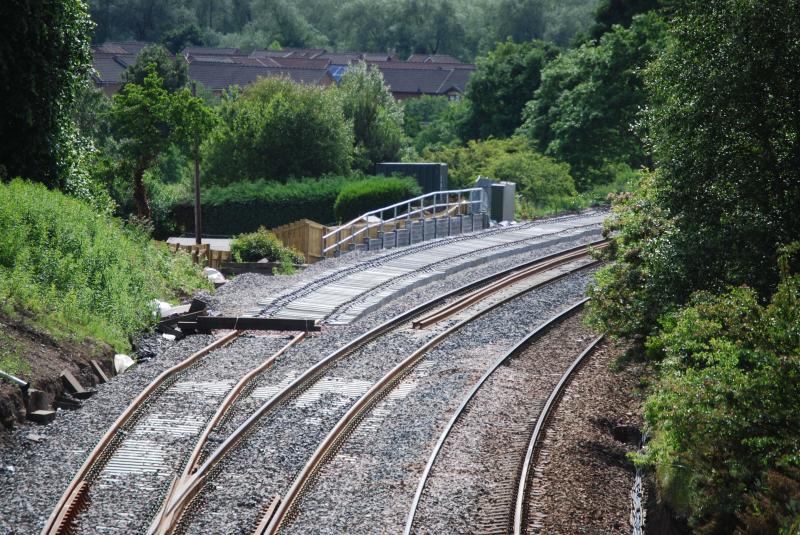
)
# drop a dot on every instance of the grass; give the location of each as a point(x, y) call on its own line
point(11, 360)
point(77, 274)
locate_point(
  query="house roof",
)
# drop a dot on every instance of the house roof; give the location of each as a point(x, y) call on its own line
point(108, 67)
point(432, 58)
point(300, 63)
point(423, 81)
point(211, 51)
point(120, 47)
point(219, 76)
point(309, 53)
point(424, 66)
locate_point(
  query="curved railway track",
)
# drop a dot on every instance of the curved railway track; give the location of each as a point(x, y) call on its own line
point(278, 513)
point(196, 468)
point(186, 493)
point(511, 452)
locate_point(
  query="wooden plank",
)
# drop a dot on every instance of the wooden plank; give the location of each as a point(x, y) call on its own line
point(255, 324)
point(99, 371)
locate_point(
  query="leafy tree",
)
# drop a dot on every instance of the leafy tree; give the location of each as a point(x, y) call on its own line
point(519, 20)
point(619, 12)
point(432, 121)
point(505, 80)
point(277, 129)
point(147, 119)
point(585, 110)
point(376, 116)
point(538, 178)
point(725, 133)
point(179, 38)
point(44, 58)
point(172, 71)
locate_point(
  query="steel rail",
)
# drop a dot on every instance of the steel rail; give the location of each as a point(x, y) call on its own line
point(356, 412)
point(191, 487)
point(76, 493)
point(509, 280)
point(525, 473)
point(193, 461)
point(532, 337)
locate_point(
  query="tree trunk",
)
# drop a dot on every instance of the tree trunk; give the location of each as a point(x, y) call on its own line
point(140, 193)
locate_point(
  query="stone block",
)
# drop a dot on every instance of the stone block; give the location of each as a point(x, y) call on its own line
point(41, 417)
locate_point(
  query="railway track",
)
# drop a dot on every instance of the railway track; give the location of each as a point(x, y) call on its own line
point(486, 446)
point(129, 446)
point(347, 372)
point(362, 418)
point(197, 466)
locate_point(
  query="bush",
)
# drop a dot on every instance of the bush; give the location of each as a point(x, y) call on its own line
point(245, 206)
point(358, 198)
point(78, 273)
point(275, 130)
point(539, 179)
point(724, 416)
point(262, 243)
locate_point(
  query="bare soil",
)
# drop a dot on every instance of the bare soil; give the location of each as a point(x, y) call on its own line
point(43, 359)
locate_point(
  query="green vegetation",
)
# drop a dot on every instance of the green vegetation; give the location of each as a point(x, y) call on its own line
point(244, 206)
point(585, 110)
point(173, 72)
point(504, 82)
point(45, 55)
point(254, 246)
point(432, 122)
point(276, 130)
point(11, 360)
point(79, 274)
point(376, 116)
point(359, 197)
point(695, 278)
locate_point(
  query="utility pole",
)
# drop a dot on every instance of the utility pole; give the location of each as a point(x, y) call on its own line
point(198, 228)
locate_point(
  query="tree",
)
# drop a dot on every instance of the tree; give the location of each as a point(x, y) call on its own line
point(172, 71)
point(432, 121)
point(44, 58)
point(179, 38)
point(619, 12)
point(146, 120)
point(277, 129)
point(505, 80)
point(376, 116)
point(589, 100)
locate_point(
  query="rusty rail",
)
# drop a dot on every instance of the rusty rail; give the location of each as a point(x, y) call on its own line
point(520, 507)
point(357, 411)
point(75, 497)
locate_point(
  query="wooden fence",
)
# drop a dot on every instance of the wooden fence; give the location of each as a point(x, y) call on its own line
point(203, 254)
point(305, 236)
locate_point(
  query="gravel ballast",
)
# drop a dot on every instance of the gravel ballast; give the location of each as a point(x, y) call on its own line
point(36, 463)
point(368, 486)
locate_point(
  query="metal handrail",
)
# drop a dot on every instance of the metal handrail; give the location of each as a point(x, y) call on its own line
point(405, 214)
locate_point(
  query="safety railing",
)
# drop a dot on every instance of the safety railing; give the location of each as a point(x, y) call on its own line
point(428, 206)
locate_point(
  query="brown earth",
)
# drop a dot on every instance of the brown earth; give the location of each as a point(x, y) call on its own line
point(43, 359)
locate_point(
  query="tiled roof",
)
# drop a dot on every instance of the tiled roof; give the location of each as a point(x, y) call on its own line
point(120, 47)
point(108, 67)
point(210, 51)
point(432, 58)
point(423, 81)
point(309, 53)
point(426, 66)
point(218, 76)
point(300, 63)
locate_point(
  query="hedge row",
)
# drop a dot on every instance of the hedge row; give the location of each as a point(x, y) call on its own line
point(360, 197)
point(245, 206)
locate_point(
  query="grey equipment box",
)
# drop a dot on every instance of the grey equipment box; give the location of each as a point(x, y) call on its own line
point(502, 208)
point(430, 176)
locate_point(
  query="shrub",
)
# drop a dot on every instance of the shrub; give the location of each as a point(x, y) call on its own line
point(724, 416)
point(81, 274)
point(245, 206)
point(357, 198)
point(277, 129)
point(262, 243)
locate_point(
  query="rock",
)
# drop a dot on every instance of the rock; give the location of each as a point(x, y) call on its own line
point(170, 337)
point(160, 308)
point(122, 362)
point(213, 275)
point(35, 438)
point(41, 417)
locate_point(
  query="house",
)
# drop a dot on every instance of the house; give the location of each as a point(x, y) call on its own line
point(219, 68)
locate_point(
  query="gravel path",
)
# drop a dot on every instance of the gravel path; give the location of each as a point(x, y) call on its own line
point(369, 484)
point(472, 485)
point(582, 478)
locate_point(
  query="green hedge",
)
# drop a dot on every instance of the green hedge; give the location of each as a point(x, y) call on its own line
point(78, 274)
point(360, 197)
point(245, 206)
